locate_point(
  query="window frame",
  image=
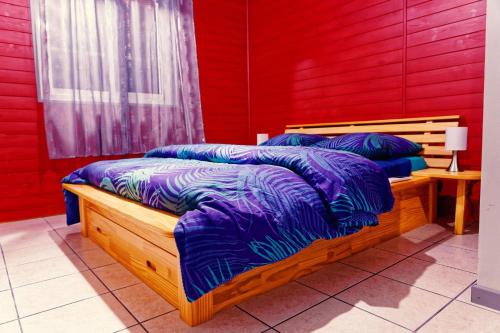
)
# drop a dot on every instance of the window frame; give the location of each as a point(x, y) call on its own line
point(85, 95)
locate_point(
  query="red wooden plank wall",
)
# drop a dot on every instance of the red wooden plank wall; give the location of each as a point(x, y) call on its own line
point(309, 61)
point(322, 60)
point(29, 182)
point(221, 38)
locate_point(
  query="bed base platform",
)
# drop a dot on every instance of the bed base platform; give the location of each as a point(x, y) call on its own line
point(142, 239)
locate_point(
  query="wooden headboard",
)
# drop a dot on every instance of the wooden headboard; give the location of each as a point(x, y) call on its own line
point(428, 131)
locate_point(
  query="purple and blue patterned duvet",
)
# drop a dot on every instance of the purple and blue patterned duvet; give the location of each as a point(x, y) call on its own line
point(242, 207)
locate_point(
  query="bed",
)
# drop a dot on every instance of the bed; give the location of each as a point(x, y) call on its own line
point(142, 238)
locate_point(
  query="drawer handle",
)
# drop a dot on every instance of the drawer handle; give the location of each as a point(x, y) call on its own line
point(151, 266)
point(99, 230)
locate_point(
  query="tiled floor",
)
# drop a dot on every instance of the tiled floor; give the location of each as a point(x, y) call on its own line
point(53, 280)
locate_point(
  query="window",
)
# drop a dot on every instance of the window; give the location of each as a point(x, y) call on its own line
point(116, 76)
point(144, 80)
point(118, 56)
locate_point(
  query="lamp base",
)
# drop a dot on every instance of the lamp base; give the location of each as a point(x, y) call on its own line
point(454, 165)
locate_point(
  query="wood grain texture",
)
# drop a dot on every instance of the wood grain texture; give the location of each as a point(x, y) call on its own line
point(461, 207)
point(29, 179)
point(154, 266)
point(463, 178)
point(433, 196)
point(196, 312)
point(159, 269)
point(82, 208)
point(443, 174)
point(324, 61)
point(149, 223)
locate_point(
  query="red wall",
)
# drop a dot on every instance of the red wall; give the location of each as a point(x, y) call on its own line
point(323, 60)
point(29, 181)
point(309, 61)
point(221, 38)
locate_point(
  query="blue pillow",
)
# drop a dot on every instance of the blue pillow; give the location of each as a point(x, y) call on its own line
point(293, 139)
point(372, 145)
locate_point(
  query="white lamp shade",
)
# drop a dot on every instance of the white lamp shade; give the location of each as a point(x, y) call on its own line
point(456, 138)
point(262, 137)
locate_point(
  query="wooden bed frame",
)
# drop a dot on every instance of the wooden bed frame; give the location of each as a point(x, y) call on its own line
point(142, 238)
point(429, 132)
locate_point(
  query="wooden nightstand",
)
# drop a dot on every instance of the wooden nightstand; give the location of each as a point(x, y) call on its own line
point(464, 178)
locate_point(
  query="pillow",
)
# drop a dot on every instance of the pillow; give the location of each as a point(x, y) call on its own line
point(372, 145)
point(293, 139)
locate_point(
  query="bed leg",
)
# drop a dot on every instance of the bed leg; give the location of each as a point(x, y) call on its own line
point(432, 201)
point(196, 312)
point(83, 218)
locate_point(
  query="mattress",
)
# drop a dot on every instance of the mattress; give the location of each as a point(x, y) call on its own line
point(402, 166)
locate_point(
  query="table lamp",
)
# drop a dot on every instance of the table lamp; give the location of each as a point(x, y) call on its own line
point(456, 140)
point(262, 137)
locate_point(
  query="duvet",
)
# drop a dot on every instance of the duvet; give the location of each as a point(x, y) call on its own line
point(242, 207)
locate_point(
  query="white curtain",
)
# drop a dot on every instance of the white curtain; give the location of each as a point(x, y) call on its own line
point(117, 76)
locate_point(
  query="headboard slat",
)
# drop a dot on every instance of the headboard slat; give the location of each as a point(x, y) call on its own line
point(380, 121)
point(428, 131)
point(381, 128)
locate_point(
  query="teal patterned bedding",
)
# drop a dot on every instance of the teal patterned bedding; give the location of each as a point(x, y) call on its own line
point(243, 207)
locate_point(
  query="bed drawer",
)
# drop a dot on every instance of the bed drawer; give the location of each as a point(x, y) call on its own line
point(155, 266)
point(153, 235)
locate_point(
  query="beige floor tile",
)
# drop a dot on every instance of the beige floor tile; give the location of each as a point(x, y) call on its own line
point(280, 304)
point(4, 280)
point(400, 303)
point(96, 258)
point(336, 316)
point(56, 221)
point(334, 278)
point(20, 232)
point(373, 260)
point(32, 239)
point(143, 302)
point(23, 225)
point(461, 317)
point(466, 298)
point(36, 253)
point(404, 245)
point(116, 276)
point(44, 270)
point(430, 232)
point(133, 329)
point(69, 229)
point(10, 327)
point(2, 263)
point(440, 279)
point(7, 307)
point(468, 241)
point(79, 243)
point(450, 256)
point(24, 239)
point(231, 320)
point(49, 294)
point(99, 314)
